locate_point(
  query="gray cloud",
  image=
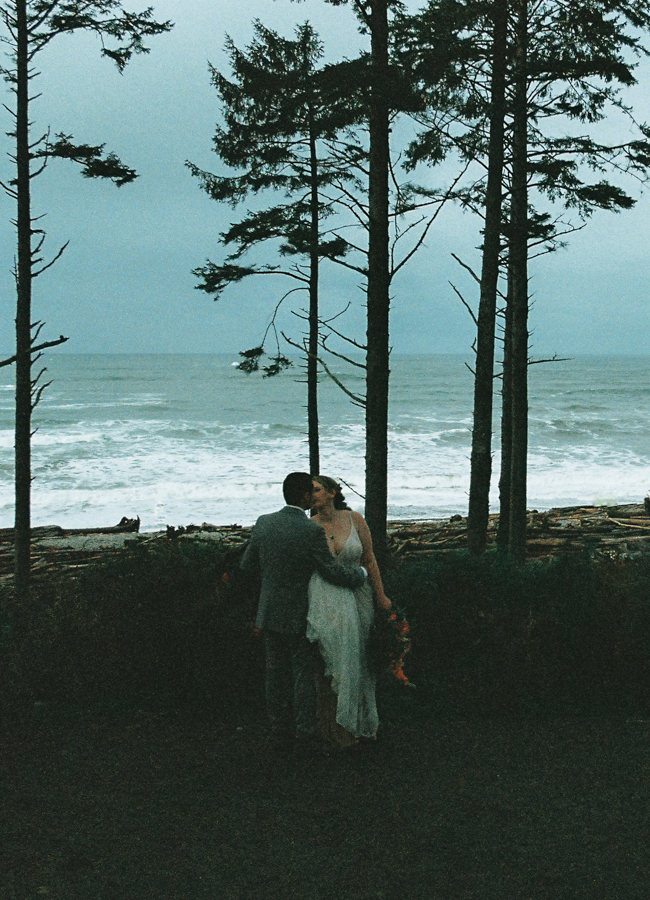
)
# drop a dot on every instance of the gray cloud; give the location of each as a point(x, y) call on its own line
point(125, 283)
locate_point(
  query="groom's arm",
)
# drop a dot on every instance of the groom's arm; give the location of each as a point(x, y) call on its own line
point(326, 565)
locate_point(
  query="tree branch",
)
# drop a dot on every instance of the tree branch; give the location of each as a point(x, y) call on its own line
point(465, 304)
point(51, 262)
point(356, 399)
point(465, 266)
point(353, 362)
point(12, 359)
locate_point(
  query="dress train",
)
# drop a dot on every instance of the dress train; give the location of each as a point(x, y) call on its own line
point(340, 619)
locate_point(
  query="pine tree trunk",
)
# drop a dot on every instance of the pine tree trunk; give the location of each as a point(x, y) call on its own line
point(481, 459)
point(312, 354)
point(378, 300)
point(23, 314)
point(519, 263)
point(503, 532)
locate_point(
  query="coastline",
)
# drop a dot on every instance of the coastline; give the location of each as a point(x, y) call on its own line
point(621, 532)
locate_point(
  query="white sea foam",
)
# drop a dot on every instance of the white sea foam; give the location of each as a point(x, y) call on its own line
point(211, 445)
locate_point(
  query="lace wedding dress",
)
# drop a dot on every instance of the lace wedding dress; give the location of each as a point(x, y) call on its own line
point(340, 620)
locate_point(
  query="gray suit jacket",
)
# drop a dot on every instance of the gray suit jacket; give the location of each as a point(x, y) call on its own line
point(288, 548)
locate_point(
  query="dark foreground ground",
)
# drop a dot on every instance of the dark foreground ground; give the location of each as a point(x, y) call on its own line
point(175, 807)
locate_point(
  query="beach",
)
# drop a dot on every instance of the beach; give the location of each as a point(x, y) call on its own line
point(616, 532)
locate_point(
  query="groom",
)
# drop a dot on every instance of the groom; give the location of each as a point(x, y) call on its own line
point(288, 548)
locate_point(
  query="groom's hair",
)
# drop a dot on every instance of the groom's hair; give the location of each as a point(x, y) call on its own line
point(295, 486)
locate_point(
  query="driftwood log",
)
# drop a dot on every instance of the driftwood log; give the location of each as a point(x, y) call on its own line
point(57, 550)
point(620, 531)
point(615, 531)
point(125, 526)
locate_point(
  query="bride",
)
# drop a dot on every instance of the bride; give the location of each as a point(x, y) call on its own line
point(340, 619)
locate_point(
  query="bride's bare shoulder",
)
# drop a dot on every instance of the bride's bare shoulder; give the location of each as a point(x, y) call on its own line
point(358, 519)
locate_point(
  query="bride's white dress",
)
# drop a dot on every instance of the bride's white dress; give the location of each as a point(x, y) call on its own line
point(340, 620)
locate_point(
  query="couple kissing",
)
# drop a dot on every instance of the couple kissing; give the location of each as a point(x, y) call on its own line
point(316, 608)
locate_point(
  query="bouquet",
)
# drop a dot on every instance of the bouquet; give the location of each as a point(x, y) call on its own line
point(389, 642)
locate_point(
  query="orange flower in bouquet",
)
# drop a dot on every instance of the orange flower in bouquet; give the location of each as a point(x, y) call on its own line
point(389, 643)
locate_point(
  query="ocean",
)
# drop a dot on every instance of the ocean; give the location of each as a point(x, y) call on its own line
point(187, 439)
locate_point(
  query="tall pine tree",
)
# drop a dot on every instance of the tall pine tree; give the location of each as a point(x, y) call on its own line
point(30, 26)
point(286, 129)
point(565, 64)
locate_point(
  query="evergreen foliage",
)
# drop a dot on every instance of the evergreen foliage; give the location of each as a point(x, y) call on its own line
point(277, 105)
point(287, 128)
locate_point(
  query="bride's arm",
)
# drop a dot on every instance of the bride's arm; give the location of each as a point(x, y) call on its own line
point(369, 562)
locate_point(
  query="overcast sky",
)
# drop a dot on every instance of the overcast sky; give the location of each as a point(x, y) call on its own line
point(125, 282)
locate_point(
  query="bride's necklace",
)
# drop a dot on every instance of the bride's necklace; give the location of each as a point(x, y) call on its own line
point(330, 536)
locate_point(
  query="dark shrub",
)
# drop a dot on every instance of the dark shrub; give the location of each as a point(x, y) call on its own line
point(493, 636)
point(156, 623)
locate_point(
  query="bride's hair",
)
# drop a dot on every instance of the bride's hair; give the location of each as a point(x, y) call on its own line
point(332, 487)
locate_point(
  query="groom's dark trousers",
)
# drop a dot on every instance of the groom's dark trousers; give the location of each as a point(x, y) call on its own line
point(290, 685)
point(288, 548)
